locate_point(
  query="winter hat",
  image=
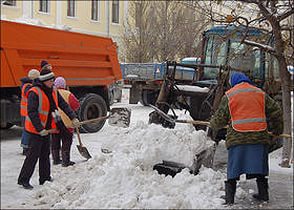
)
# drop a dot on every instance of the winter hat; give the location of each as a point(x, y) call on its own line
point(46, 74)
point(33, 74)
point(44, 63)
point(60, 82)
point(238, 77)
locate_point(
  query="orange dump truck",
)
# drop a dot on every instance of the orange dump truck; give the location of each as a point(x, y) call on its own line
point(88, 63)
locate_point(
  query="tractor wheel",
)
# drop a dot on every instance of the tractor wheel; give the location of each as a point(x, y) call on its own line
point(92, 106)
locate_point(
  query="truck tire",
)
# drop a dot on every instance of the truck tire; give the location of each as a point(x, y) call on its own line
point(148, 97)
point(6, 125)
point(92, 106)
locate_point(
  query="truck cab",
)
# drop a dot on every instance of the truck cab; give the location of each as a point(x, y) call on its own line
point(223, 53)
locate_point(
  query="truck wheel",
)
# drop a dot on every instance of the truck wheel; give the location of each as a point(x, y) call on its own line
point(148, 97)
point(6, 125)
point(92, 106)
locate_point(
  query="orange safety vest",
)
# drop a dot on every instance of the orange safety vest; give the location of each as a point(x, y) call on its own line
point(24, 101)
point(43, 110)
point(247, 108)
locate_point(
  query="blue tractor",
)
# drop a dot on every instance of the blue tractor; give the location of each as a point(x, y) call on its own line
point(222, 53)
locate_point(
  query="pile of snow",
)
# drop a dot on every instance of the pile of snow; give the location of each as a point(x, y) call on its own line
point(124, 178)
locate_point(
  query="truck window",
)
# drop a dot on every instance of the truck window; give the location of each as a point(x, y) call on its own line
point(215, 54)
point(247, 59)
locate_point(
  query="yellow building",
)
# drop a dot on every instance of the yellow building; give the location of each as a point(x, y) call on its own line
point(97, 17)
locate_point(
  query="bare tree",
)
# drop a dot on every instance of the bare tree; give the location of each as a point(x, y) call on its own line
point(270, 16)
point(161, 30)
point(138, 33)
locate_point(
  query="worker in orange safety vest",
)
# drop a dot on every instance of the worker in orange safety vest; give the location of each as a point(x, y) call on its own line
point(25, 87)
point(250, 115)
point(43, 101)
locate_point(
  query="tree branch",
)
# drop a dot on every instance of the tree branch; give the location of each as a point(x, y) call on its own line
point(262, 46)
point(285, 15)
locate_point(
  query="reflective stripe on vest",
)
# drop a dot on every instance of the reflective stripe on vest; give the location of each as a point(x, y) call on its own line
point(24, 101)
point(247, 108)
point(43, 110)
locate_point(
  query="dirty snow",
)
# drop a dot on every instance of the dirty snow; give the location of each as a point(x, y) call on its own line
point(122, 177)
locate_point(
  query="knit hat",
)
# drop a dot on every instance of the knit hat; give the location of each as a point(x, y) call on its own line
point(44, 63)
point(60, 82)
point(46, 74)
point(238, 77)
point(33, 74)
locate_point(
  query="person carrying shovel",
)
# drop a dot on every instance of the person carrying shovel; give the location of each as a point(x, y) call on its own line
point(251, 115)
point(43, 100)
point(73, 102)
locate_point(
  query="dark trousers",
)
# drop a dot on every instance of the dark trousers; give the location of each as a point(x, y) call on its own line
point(39, 148)
point(65, 139)
point(24, 137)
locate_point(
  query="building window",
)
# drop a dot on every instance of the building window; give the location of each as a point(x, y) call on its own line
point(71, 8)
point(95, 10)
point(9, 2)
point(44, 6)
point(115, 11)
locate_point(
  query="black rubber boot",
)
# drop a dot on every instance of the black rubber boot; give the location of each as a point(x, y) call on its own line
point(26, 185)
point(56, 157)
point(66, 160)
point(262, 186)
point(230, 189)
point(42, 181)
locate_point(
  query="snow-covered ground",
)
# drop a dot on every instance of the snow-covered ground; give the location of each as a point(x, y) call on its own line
point(124, 177)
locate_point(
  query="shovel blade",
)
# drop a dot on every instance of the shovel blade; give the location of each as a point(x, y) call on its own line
point(84, 152)
point(120, 117)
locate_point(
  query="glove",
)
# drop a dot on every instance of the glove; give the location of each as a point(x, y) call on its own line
point(76, 122)
point(44, 132)
point(168, 124)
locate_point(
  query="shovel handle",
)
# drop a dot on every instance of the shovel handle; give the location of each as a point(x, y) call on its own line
point(194, 122)
point(94, 120)
point(79, 137)
point(198, 122)
point(283, 135)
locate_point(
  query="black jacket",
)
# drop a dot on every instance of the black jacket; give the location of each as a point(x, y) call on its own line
point(33, 104)
point(26, 80)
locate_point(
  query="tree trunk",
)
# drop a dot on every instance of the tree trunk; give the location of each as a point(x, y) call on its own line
point(286, 88)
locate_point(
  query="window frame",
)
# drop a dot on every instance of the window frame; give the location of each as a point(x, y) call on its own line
point(69, 9)
point(115, 10)
point(97, 2)
point(48, 6)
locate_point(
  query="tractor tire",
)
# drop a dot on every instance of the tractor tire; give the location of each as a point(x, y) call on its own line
point(148, 97)
point(92, 106)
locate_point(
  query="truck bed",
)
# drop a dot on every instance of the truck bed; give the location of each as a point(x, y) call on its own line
point(153, 71)
point(82, 59)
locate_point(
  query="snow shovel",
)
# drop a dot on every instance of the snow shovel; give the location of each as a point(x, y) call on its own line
point(117, 117)
point(83, 150)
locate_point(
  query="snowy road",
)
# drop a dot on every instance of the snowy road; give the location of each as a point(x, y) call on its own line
point(125, 179)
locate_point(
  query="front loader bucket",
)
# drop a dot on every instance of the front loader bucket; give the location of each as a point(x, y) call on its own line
point(171, 168)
